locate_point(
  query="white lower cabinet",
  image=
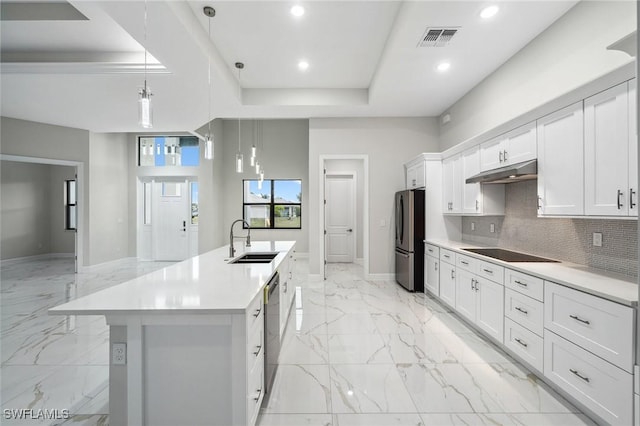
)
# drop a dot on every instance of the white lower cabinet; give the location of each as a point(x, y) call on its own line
point(481, 301)
point(524, 310)
point(432, 275)
point(524, 343)
point(448, 283)
point(603, 388)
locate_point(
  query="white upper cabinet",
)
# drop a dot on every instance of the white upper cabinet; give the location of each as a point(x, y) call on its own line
point(606, 152)
point(471, 192)
point(561, 162)
point(452, 185)
point(513, 147)
point(416, 174)
point(633, 150)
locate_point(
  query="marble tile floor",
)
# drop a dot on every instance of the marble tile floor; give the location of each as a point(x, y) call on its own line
point(355, 352)
point(56, 362)
point(360, 352)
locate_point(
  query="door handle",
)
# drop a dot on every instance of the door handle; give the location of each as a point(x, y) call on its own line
point(349, 230)
point(500, 156)
point(631, 194)
point(619, 202)
point(184, 226)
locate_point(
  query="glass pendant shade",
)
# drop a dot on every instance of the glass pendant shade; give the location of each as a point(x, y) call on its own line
point(145, 112)
point(261, 176)
point(257, 168)
point(252, 161)
point(253, 151)
point(208, 148)
point(239, 163)
point(259, 184)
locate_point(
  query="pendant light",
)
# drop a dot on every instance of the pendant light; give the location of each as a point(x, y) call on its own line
point(252, 160)
point(209, 150)
point(239, 156)
point(145, 112)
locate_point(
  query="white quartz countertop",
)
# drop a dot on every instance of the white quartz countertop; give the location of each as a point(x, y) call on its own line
point(204, 284)
point(611, 286)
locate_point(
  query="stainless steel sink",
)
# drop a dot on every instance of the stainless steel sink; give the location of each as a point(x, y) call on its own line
point(255, 258)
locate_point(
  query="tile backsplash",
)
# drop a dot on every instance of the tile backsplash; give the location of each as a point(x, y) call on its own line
point(559, 238)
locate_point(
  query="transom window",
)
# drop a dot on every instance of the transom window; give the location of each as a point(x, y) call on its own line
point(160, 151)
point(276, 204)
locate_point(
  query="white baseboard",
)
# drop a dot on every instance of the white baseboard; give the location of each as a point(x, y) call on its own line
point(115, 262)
point(359, 261)
point(6, 262)
point(381, 277)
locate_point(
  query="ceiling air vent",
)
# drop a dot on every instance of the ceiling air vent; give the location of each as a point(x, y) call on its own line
point(437, 37)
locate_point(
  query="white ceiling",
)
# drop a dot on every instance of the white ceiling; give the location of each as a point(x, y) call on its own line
point(363, 56)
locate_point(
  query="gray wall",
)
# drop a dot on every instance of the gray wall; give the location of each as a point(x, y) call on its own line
point(31, 139)
point(356, 166)
point(388, 143)
point(32, 205)
point(569, 54)
point(559, 238)
point(284, 155)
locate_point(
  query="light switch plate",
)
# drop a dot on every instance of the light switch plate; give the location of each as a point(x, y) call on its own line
point(119, 354)
point(597, 239)
point(473, 226)
point(492, 228)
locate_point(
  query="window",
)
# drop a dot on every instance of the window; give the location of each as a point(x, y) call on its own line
point(194, 203)
point(163, 151)
point(277, 204)
point(70, 207)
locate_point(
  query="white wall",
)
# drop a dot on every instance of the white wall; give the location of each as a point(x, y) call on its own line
point(388, 143)
point(569, 54)
point(109, 202)
point(284, 155)
point(356, 166)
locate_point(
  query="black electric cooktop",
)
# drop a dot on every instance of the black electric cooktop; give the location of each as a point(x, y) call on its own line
point(508, 255)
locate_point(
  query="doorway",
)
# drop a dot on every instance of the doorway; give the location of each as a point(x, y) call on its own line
point(340, 217)
point(167, 219)
point(335, 171)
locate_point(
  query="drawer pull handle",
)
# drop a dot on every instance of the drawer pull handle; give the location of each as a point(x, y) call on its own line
point(464, 263)
point(577, 318)
point(436, 266)
point(521, 283)
point(518, 308)
point(586, 379)
point(256, 398)
point(258, 349)
point(446, 255)
point(473, 287)
point(453, 275)
point(488, 271)
point(257, 314)
point(521, 342)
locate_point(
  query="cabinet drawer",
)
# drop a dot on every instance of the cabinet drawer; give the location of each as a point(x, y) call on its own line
point(432, 250)
point(604, 388)
point(524, 310)
point(255, 313)
point(467, 263)
point(598, 325)
point(491, 271)
point(525, 284)
point(255, 390)
point(524, 343)
point(448, 256)
point(255, 347)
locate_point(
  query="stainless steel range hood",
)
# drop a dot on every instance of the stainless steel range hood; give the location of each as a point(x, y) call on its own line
point(509, 174)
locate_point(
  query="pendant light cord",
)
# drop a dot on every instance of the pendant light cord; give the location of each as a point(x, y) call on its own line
point(239, 100)
point(145, 45)
point(209, 81)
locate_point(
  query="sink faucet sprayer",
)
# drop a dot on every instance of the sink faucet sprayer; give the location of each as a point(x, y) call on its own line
point(231, 237)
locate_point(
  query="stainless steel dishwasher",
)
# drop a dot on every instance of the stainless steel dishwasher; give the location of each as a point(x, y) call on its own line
point(272, 331)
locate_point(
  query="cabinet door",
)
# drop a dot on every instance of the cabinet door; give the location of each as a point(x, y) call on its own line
point(412, 177)
point(490, 308)
point(451, 186)
point(432, 275)
point(471, 192)
point(466, 294)
point(421, 180)
point(606, 152)
point(520, 144)
point(491, 154)
point(448, 284)
point(633, 150)
point(560, 162)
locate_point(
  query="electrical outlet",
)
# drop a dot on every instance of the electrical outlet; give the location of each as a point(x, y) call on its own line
point(473, 226)
point(492, 228)
point(597, 239)
point(119, 354)
point(383, 223)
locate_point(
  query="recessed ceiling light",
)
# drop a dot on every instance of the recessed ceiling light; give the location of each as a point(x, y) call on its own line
point(443, 66)
point(303, 65)
point(297, 11)
point(489, 12)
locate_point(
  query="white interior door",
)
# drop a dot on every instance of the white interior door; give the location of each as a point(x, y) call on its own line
point(171, 221)
point(340, 193)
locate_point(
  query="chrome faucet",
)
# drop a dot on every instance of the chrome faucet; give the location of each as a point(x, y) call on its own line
point(232, 251)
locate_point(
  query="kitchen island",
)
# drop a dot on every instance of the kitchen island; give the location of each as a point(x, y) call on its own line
point(188, 339)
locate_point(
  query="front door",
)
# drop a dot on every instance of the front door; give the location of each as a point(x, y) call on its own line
point(340, 218)
point(171, 238)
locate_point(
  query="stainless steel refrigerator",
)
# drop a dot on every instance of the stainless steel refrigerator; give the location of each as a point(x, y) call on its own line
point(409, 219)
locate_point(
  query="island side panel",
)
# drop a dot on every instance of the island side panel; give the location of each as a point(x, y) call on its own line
point(117, 379)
